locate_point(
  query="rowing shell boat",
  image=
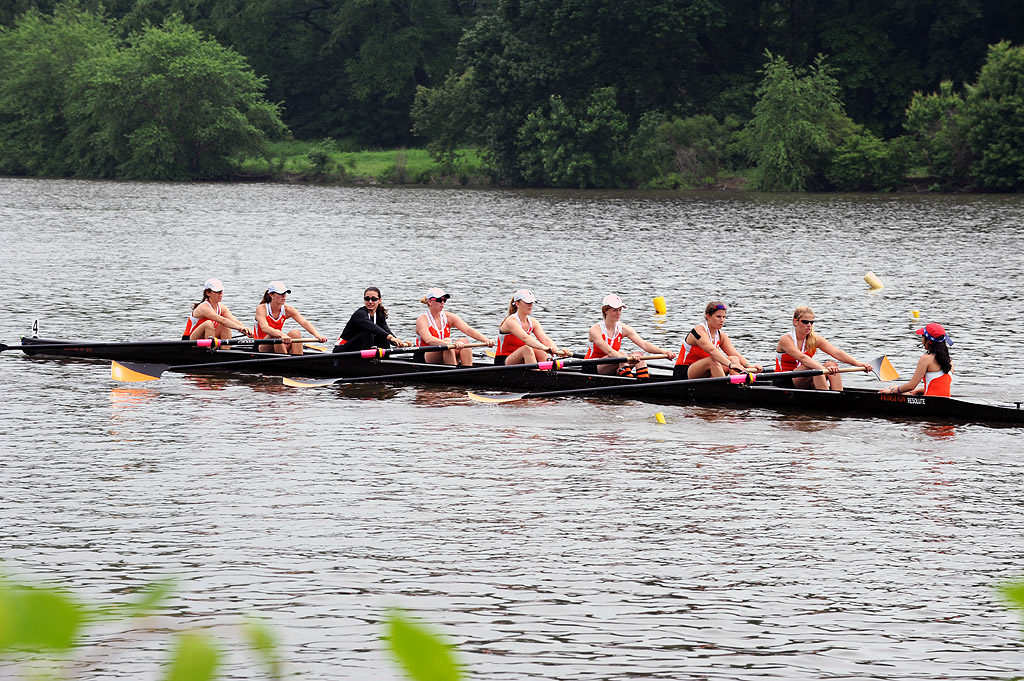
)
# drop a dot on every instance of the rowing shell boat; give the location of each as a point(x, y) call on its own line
point(832, 403)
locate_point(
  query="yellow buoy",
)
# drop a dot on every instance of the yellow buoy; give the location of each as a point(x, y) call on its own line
point(916, 314)
point(659, 305)
point(874, 282)
point(660, 417)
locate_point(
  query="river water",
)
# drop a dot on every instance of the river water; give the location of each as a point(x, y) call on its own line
point(568, 539)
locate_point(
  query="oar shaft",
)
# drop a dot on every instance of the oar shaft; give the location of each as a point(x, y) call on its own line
point(549, 365)
point(365, 354)
point(738, 379)
point(200, 343)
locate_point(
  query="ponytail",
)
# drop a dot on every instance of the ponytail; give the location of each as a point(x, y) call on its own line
point(206, 296)
point(512, 308)
point(941, 353)
point(266, 297)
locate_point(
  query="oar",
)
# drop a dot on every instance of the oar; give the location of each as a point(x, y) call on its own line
point(745, 378)
point(549, 365)
point(134, 372)
point(213, 343)
point(884, 369)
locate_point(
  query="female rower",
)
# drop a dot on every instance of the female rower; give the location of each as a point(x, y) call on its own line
point(368, 326)
point(708, 351)
point(606, 341)
point(210, 317)
point(795, 352)
point(935, 367)
point(270, 318)
point(434, 327)
point(521, 339)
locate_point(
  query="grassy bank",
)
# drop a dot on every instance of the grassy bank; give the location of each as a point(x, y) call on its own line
point(325, 162)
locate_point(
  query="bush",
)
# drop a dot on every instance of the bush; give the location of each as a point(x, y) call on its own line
point(866, 163)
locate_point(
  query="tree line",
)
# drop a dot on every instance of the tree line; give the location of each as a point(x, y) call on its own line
point(809, 94)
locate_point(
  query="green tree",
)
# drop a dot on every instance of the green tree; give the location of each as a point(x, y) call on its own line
point(560, 147)
point(798, 122)
point(173, 104)
point(445, 116)
point(937, 126)
point(38, 57)
point(995, 115)
point(649, 51)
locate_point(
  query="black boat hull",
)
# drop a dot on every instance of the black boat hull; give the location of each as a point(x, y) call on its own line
point(849, 401)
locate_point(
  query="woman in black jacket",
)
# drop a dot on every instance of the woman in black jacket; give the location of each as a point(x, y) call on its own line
point(368, 326)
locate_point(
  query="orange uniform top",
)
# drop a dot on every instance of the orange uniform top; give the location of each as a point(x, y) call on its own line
point(786, 362)
point(192, 322)
point(612, 338)
point(507, 343)
point(938, 383)
point(688, 354)
point(439, 328)
point(272, 322)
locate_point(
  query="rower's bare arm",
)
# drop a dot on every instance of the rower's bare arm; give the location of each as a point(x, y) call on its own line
point(465, 328)
point(632, 335)
point(842, 355)
point(304, 323)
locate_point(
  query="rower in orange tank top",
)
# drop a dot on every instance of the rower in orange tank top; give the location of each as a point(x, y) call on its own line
point(210, 317)
point(606, 341)
point(708, 351)
point(795, 352)
point(271, 314)
point(521, 338)
point(434, 327)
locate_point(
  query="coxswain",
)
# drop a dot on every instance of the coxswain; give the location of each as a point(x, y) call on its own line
point(271, 314)
point(934, 367)
point(521, 338)
point(210, 317)
point(368, 326)
point(606, 341)
point(708, 351)
point(434, 327)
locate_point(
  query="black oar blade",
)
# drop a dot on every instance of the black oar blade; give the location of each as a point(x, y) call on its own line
point(496, 399)
point(133, 372)
point(296, 383)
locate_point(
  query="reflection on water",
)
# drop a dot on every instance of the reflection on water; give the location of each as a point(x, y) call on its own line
point(556, 539)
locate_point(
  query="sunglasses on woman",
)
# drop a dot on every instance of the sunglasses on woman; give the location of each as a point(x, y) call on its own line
point(370, 299)
point(806, 322)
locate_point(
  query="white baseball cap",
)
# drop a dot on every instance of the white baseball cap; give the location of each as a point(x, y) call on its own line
point(278, 287)
point(612, 300)
point(524, 295)
point(438, 293)
point(213, 285)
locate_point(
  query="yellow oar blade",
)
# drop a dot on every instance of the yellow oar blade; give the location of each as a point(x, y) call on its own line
point(495, 399)
point(296, 383)
point(884, 369)
point(136, 373)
